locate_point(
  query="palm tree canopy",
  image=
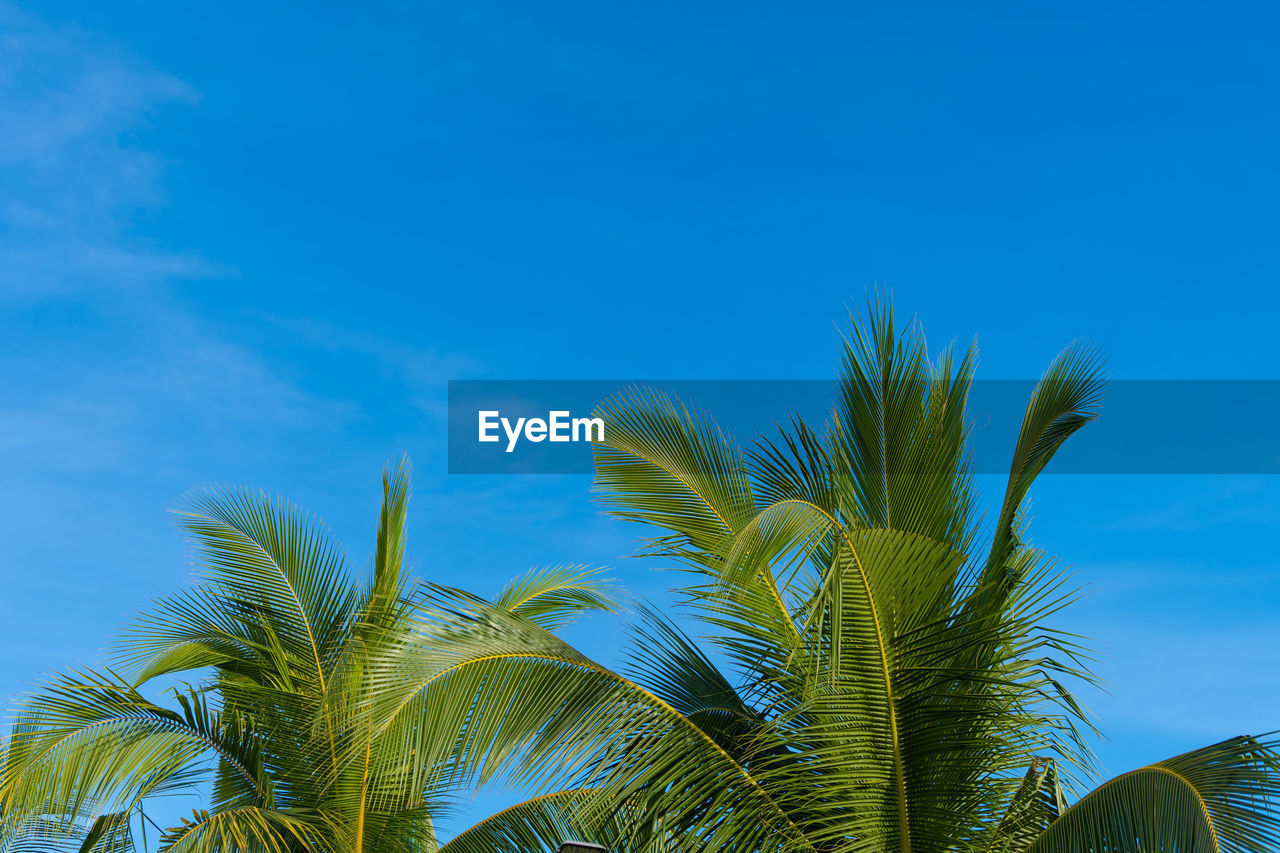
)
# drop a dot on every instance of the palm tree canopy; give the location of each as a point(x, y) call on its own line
point(879, 676)
point(884, 681)
point(281, 636)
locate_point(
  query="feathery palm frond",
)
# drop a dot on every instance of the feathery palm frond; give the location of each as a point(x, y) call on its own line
point(1224, 797)
point(543, 823)
point(553, 596)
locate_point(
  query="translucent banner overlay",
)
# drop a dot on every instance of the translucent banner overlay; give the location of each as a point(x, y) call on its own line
point(1144, 426)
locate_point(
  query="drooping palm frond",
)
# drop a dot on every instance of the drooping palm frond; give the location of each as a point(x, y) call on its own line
point(277, 573)
point(89, 743)
point(542, 824)
point(553, 596)
point(272, 600)
point(235, 830)
point(531, 707)
point(668, 466)
point(1224, 797)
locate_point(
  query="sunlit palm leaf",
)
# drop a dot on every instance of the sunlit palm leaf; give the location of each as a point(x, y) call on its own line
point(1224, 797)
point(235, 831)
point(554, 596)
point(90, 743)
point(528, 705)
point(540, 825)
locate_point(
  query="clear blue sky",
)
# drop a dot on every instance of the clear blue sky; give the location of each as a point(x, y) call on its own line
point(250, 243)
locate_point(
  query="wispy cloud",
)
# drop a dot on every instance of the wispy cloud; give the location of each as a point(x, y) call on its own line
point(424, 371)
point(107, 368)
point(115, 394)
point(72, 180)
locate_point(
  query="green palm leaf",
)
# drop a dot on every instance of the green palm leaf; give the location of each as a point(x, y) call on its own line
point(530, 706)
point(543, 823)
point(554, 596)
point(235, 830)
point(1224, 797)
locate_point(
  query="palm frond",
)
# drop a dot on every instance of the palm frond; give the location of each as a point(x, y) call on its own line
point(236, 830)
point(545, 822)
point(552, 597)
point(525, 703)
point(668, 466)
point(1224, 797)
point(276, 575)
point(667, 663)
point(88, 743)
point(1064, 400)
point(1034, 805)
point(382, 599)
point(899, 443)
point(109, 833)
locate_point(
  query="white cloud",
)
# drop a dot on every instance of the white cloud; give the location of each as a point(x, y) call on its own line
point(72, 181)
point(118, 371)
point(424, 371)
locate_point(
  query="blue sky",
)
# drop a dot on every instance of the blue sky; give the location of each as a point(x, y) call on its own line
point(250, 243)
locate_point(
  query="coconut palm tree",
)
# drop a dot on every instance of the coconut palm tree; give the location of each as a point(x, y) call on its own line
point(279, 636)
point(881, 680)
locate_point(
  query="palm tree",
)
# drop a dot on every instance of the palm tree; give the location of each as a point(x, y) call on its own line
point(881, 680)
point(280, 636)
